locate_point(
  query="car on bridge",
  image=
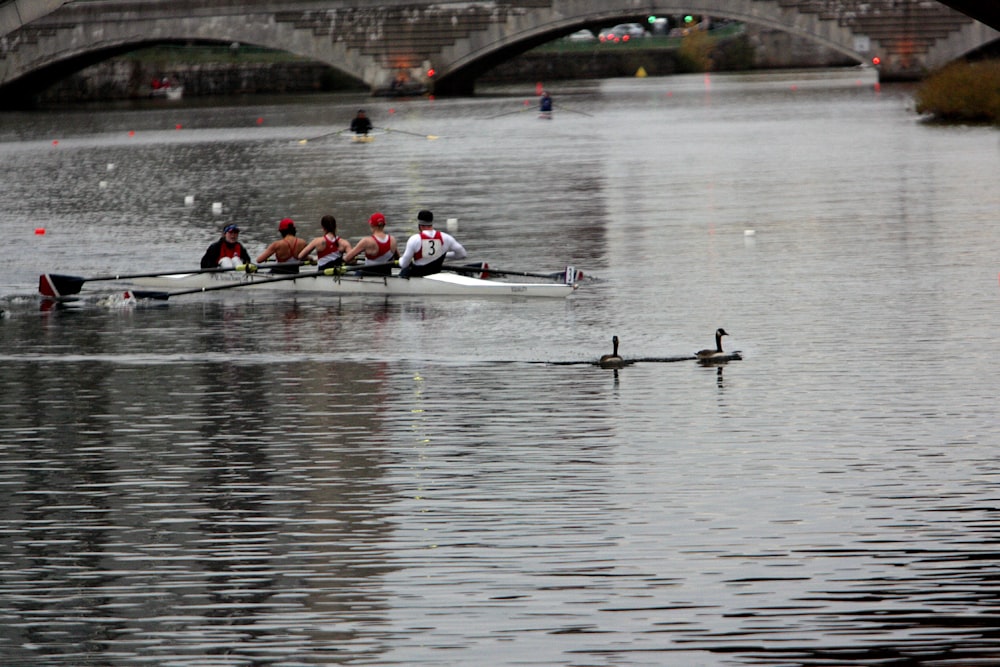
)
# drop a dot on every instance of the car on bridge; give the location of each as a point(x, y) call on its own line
point(622, 32)
point(582, 36)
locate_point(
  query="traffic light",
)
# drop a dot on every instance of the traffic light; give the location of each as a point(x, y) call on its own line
point(651, 20)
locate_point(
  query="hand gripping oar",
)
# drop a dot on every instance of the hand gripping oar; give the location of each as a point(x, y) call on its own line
point(163, 296)
point(570, 275)
point(55, 285)
point(412, 134)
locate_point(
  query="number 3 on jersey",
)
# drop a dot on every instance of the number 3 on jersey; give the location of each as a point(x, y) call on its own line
point(429, 248)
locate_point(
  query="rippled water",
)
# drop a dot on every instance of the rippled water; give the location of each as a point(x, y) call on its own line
point(259, 479)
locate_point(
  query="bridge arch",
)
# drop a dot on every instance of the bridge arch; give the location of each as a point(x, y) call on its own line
point(471, 57)
point(459, 40)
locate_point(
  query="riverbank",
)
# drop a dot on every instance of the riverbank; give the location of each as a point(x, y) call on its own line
point(962, 92)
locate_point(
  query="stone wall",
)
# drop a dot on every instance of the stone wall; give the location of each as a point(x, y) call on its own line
point(123, 78)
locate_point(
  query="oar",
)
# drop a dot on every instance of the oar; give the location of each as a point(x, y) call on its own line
point(582, 113)
point(321, 136)
point(507, 113)
point(569, 274)
point(55, 285)
point(412, 134)
point(163, 296)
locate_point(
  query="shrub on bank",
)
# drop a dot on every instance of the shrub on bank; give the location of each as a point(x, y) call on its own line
point(695, 53)
point(964, 92)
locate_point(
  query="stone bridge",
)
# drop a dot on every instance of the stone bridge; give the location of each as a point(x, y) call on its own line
point(445, 45)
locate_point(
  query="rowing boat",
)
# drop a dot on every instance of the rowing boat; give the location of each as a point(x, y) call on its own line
point(439, 284)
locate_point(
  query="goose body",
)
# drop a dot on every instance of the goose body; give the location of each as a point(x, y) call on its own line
point(612, 360)
point(717, 352)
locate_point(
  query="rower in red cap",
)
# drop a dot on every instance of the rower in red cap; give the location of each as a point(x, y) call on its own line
point(379, 248)
point(286, 249)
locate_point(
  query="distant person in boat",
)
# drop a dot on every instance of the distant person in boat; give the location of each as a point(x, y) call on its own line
point(427, 249)
point(285, 249)
point(379, 248)
point(330, 248)
point(227, 252)
point(361, 124)
point(545, 103)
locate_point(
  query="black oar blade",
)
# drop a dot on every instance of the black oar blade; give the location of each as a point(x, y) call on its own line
point(55, 286)
point(147, 294)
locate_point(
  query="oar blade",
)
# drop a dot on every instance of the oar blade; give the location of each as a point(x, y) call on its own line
point(569, 275)
point(55, 286)
point(146, 294)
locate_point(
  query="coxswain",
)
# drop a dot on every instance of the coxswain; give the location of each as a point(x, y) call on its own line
point(227, 252)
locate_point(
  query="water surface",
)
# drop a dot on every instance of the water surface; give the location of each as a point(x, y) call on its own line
point(261, 479)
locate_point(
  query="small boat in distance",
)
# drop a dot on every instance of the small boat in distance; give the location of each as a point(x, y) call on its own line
point(166, 89)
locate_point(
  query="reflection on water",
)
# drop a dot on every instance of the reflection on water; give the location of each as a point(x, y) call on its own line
point(182, 502)
point(267, 479)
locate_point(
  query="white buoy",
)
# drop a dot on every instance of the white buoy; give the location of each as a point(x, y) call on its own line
point(102, 184)
point(189, 200)
point(111, 166)
point(451, 224)
point(217, 207)
point(748, 232)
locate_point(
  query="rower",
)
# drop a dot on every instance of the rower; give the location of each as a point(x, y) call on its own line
point(361, 124)
point(330, 248)
point(379, 248)
point(286, 249)
point(545, 103)
point(426, 250)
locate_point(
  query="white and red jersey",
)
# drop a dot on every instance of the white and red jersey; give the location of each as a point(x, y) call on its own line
point(330, 252)
point(430, 245)
point(383, 254)
point(226, 251)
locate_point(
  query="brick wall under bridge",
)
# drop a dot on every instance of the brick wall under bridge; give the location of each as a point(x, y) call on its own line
point(377, 42)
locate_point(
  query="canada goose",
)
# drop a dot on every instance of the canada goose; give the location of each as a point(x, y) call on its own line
point(708, 354)
point(612, 360)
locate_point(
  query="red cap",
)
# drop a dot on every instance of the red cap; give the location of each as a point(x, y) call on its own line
point(285, 224)
point(376, 219)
